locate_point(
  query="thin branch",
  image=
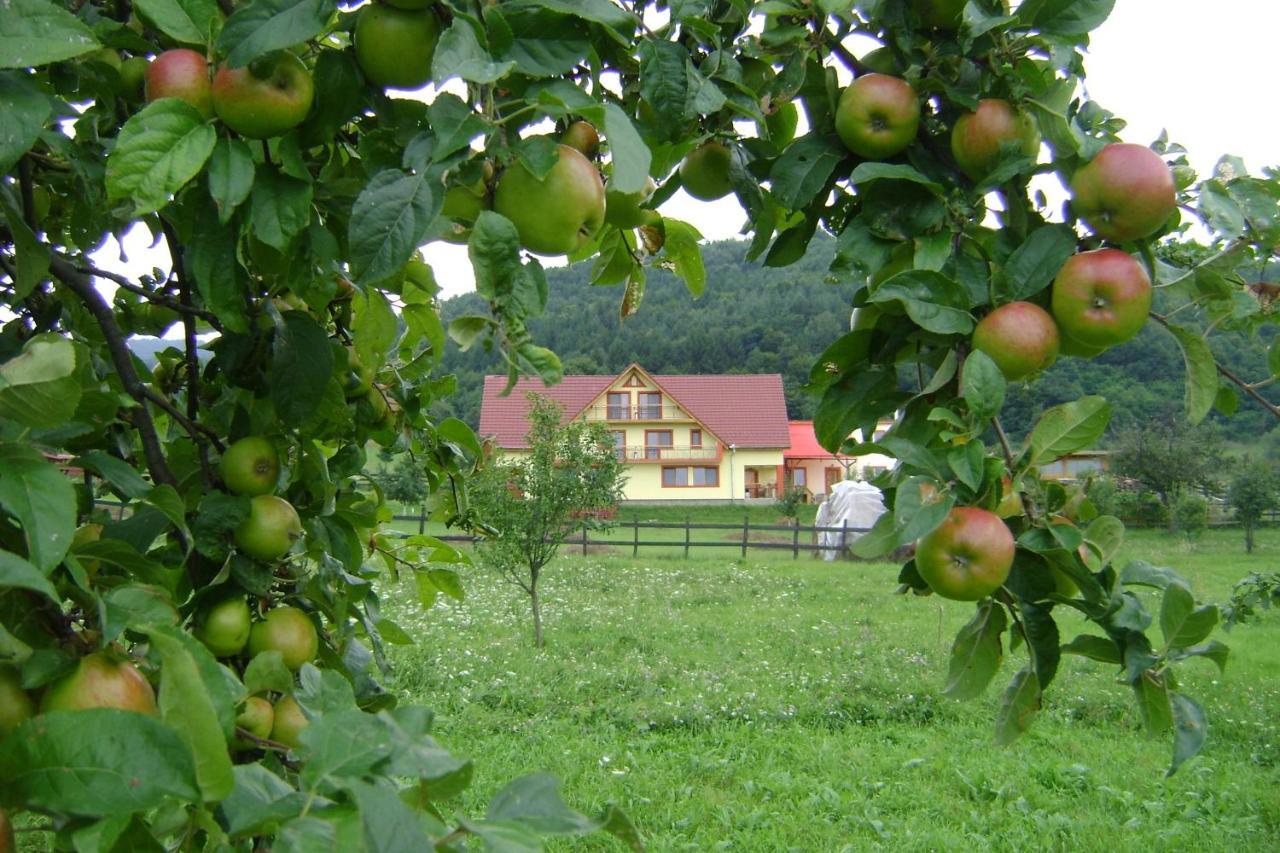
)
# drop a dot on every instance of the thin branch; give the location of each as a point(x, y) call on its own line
point(199, 432)
point(1251, 390)
point(151, 295)
point(1004, 443)
point(79, 284)
point(261, 742)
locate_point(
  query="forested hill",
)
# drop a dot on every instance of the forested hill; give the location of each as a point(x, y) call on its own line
point(753, 319)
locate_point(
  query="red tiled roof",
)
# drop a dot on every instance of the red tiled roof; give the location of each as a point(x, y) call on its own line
point(804, 444)
point(743, 410)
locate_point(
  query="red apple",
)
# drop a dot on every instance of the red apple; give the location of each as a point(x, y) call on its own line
point(978, 138)
point(1101, 298)
point(1020, 337)
point(181, 73)
point(265, 98)
point(1124, 193)
point(968, 556)
point(877, 116)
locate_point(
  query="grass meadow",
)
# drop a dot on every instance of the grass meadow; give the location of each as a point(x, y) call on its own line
point(775, 705)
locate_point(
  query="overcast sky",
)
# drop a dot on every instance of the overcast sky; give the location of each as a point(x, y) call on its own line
point(1202, 71)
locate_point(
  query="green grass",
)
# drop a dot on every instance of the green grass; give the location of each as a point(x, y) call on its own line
point(778, 705)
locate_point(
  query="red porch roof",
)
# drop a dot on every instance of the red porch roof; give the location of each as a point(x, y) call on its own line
point(804, 444)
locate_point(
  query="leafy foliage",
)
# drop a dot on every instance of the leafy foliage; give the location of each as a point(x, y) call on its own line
point(1254, 490)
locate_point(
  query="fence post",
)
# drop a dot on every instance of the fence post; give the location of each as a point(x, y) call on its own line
point(795, 538)
point(635, 536)
point(746, 526)
point(422, 520)
point(686, 535)
point(844, 536)
point(584, 537)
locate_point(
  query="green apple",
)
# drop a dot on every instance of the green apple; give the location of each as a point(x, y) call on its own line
point(623, 210)
point(705, 171)
point(583, 136)
point(15, 704)
point(181, 73)
point(224, 629)
point(877, 116)
point(288, 722)
point(980, 137)
point(270, 530)
point(251, 466)
point(286, 630)
point(133, 79)
point(1124, 193)
point(395, 46)
point(257, 719)
point(101, 681)
point(266, 98)
point(559, 213)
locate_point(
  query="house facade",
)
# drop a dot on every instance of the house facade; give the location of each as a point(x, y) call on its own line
point(681, 437)
point(809, 466)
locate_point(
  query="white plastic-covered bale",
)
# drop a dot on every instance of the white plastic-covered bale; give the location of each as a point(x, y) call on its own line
point(852, 504)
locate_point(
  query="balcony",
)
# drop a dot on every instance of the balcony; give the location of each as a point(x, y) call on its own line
point(635, 413)
point(661, 453)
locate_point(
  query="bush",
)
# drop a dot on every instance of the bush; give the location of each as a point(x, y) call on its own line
point(1191, 515)
point(1103, 494)
point(1141, 509)
point(789, 503)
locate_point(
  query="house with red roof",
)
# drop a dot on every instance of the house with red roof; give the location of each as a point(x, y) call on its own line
point(808, 465)
point(681, 437)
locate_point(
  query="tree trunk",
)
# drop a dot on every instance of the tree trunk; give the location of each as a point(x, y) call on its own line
point(1248, 536)
point(537, 615)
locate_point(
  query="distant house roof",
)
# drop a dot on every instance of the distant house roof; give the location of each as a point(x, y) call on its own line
point(804, 444)
point(743, 410)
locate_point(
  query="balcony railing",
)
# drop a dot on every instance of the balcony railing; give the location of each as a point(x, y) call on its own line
point(663, 453)
point(635, 413)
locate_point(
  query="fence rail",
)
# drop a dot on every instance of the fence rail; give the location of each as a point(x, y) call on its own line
point(743, 542)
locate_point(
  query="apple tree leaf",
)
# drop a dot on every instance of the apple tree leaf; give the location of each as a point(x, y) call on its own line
point(1034, 264)
point(302, 363)
point(230, 176)
point(38, 387)
point(1181, 622)
point(804, 168)
point(1202, 373)
point(977, 652)
point(257, 28)
point(186, 21)
point(460, 54)
point(42, 500)
point(1190, 727)
point(1068, 427)
point(933, 301)
point(630, 156)
point(389, 221)
point(982, 385)
point(160, 148)
point(1018, 705)
point(25, 109)
point(683, 248)
point(37, 32)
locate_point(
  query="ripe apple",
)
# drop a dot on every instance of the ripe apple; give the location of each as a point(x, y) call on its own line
point(225, 627)
point(1124, 193)
point(15, 704)
point(877, 116)
point(581, 135)
point(286, 630)
point(288, 722)
point(1020, 337)
point(623, 210)
point(558, 214)
point(980, 137)
point(251, 466)
point(181, 73)
point(395, 46)
point(270, 530)
point(257, 719)
point(968, 556)
point(265, 98)
point(1101, 298)
point(705, 171)
point(939, 14)
point(101, 681)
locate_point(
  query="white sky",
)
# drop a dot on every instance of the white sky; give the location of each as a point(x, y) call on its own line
point(1202, 71)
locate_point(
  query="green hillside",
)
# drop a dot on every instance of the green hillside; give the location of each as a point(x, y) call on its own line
point(753, 319)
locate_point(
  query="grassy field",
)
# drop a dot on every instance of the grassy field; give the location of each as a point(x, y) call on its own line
point(771, 705)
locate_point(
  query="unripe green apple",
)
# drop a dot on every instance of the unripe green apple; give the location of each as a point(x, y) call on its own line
point(133, 79)
point(882, 60)
point(623, 210)
point(181, 73)
point(225, 627)
point(101, 681)
point(288, 723)
point(877, 116)
point(980, 137)
point(1124, 193)
point(395, 46)
point(782, 124)
point(257, 719)
point(559, 213)
point(84, 535)
point(705, 171)
point(289, 631)
point(1020, 337)
point(15, 704)
point(251, 466)
point(266, 98)
point(270, 530)
point(462, 206)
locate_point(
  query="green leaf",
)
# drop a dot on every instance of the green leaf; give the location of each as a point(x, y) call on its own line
point(454, 122)
point(1107, 533)
point(1273, 358)
point(186, 21)
point(375, 326)
point(36, 32)
point(1190, 727)
point(1142, 573)
point(1094, 647)
point(1153, 703)
point(346, 744)
point(95, 763)
point(218, 278)
point(664, 80)
point(1068, 427)
point(1018, 705)
point(42, 500)
point(933, 301)
point(122, 476)
point(544, 44)
point(459, 54)
point(804, 168)
point(23, 111)
point(534, 801)
point(869, 172)
point(1065, 17)
point(1044, 640)
point(259, 800)
point(977, 652)
point(459, 433)
point(1213, 650)
point(186, 706)
point(255, 29)
point(38, 387)
point(464, 331)
point(423, 322)
point(982, 385)
point(388, 222)
point(280, 207)
point(494, 249)
point(230, 176)
point(266, 671)
point(1034, 264)
point(32, 254)
point(1181, 622)
point(160, 148)
point(389, 824)
point(683, 246)
point(630, 156)
point(542, 361)
point(448, 582)
point(301, 363)
point(1202, 373)
point(17, 573)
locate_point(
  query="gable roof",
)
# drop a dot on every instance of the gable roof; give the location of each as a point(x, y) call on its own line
point(804, 444)
point(743, 410)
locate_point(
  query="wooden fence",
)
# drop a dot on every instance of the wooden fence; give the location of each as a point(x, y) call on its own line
point(742, 542)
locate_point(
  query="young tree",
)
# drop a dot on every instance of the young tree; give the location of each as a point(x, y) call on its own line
point(1168, 456)
point(1254, 490)
point(570, 480)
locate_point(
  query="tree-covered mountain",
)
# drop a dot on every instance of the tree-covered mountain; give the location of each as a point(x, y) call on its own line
point(754, 319)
